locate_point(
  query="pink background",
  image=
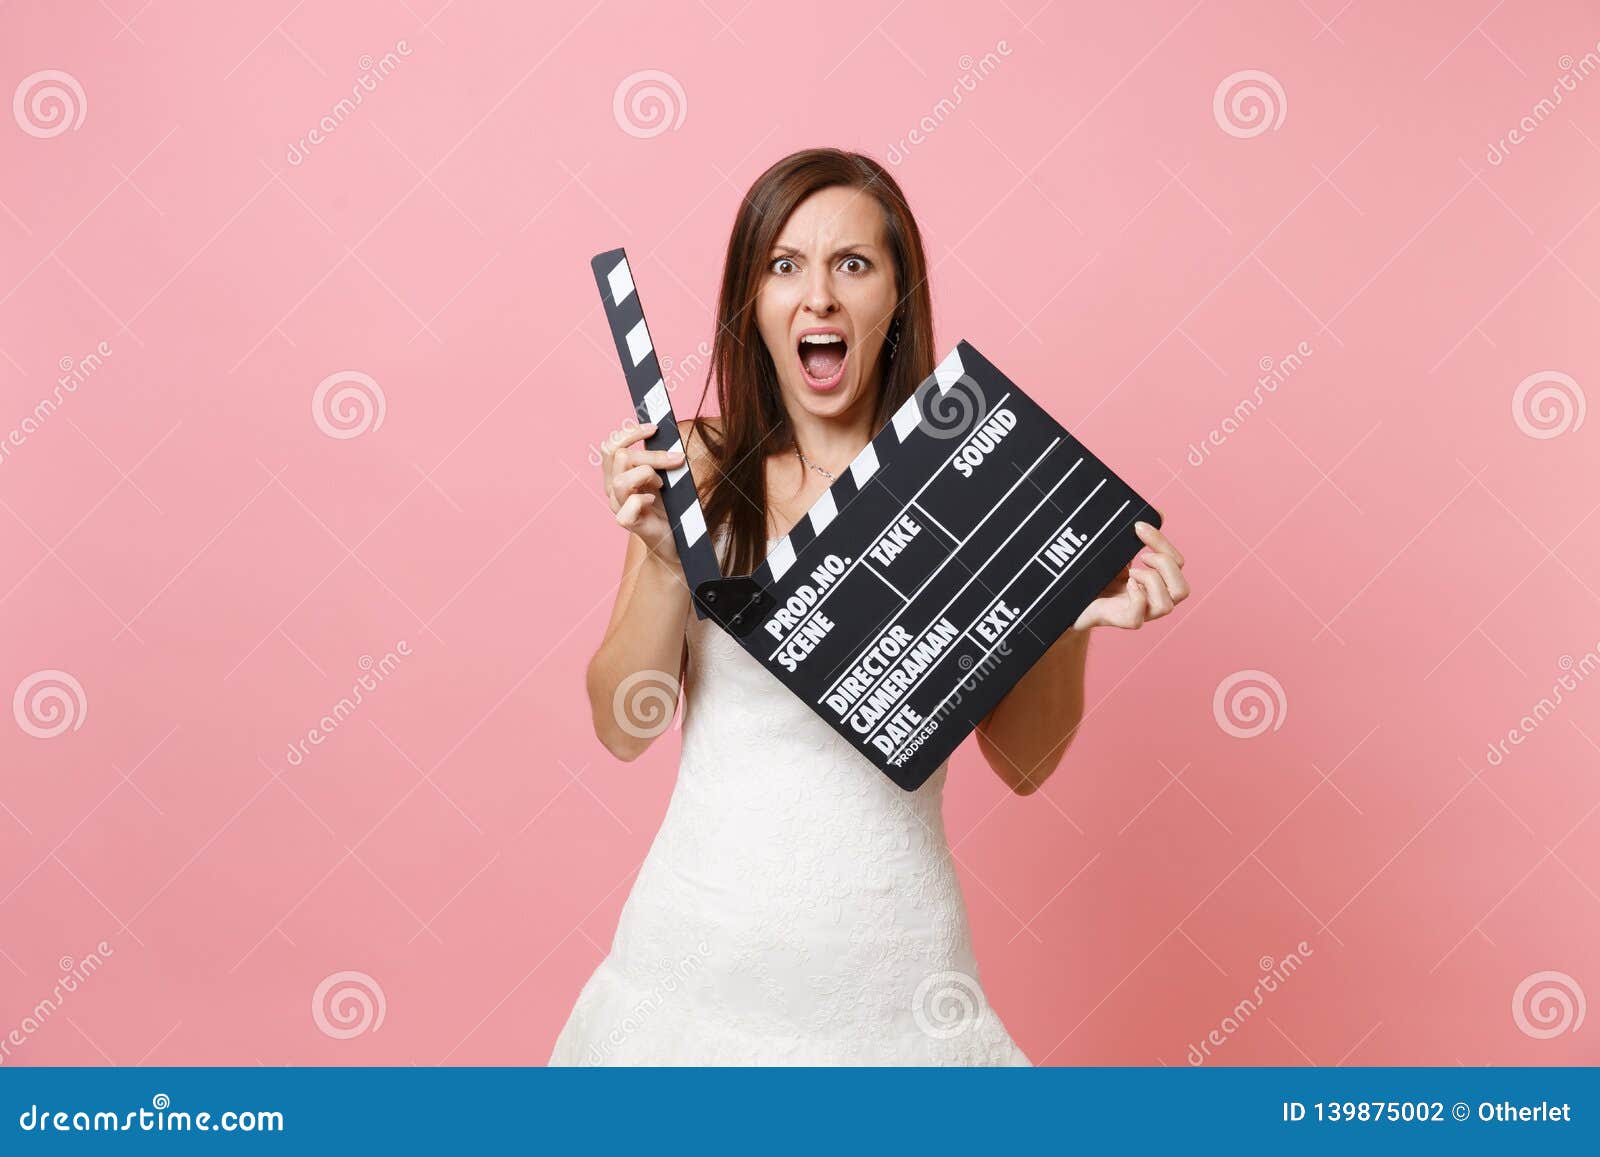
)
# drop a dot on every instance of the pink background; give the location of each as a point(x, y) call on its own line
point(1382, 536)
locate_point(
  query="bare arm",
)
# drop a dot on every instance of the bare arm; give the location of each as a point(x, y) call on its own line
point(633, 677)
point(1025, 736)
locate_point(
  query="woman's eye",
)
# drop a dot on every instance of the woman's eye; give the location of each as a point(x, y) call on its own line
point(854, 265)
point(783, 265)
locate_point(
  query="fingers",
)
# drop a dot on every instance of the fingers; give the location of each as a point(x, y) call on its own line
point(1117, 585)
point(1153, 538)
point(629, 456)
point(1155, 584)
point(1133, 616)
point(659, 459)
point(635, 479)
point(1158, 601)
point(626, 466)
point(622, 450)
point(612, 462)
point(1171, 576)
point(626, 436)
point(633, 509)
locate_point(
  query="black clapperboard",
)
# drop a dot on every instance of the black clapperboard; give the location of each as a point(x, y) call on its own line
point(958, 546)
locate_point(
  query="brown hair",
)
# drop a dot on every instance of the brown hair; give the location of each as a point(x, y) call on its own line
point(754, 423)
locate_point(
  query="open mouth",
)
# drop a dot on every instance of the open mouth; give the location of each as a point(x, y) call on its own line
point(822, 358)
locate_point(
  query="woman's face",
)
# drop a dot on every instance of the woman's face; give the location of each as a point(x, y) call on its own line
point(826, 301)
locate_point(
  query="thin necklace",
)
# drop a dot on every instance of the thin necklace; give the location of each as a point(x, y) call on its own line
point(807, 462)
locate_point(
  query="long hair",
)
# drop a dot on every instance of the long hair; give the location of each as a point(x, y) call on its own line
point(754, 422)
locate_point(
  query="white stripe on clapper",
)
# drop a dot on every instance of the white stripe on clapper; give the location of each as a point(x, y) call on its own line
point(781, 558)
point(865, 465)
point(674, 475)
point(693, 524)
point(824, 511)
point(656, 402)
point(621, 280)
point(950, 370)
point(638, 342)
point(907, 418)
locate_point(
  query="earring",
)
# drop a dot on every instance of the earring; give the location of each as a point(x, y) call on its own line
point(892, 338)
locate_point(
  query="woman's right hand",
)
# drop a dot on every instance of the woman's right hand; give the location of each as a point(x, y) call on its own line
point(633, 487)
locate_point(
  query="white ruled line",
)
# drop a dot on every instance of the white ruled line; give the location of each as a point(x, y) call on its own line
point(973, 573)
point(1024, 615)
point(887, 583)
point(928, 514)
point(905, 696)
point(932, 478)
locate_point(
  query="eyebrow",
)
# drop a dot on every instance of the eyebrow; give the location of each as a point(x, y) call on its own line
point(781, 247)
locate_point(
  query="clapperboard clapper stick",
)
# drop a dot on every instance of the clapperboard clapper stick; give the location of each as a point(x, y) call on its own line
point(959, 545)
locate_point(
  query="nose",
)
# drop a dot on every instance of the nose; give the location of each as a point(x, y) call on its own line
point(819, 296)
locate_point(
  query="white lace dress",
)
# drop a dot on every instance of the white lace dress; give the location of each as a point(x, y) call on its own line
point(795, 907)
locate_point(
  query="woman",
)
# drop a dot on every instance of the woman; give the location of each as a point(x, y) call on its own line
point(796, 907)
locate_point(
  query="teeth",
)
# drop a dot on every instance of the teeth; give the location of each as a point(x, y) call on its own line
point(820, 339)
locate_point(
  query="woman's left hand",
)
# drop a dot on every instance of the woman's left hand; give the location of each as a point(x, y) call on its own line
point(1148, 587)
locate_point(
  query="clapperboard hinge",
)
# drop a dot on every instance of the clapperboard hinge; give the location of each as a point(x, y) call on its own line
point(736, 602)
